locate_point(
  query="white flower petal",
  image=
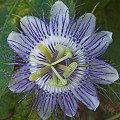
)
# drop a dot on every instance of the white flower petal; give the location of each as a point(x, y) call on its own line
point(20, 82)
point(83, 22)
point(91, 101)
point(46, 105)
point(19, 43)
point(68, 104)
point(97, 43)
point(109, 74)
point(33, 27)
point(59, 11)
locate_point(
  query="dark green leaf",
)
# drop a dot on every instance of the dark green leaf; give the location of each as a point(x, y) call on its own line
point(6, 25)
point(111, 23)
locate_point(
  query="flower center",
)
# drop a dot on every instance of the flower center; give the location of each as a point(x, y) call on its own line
point(63, 54)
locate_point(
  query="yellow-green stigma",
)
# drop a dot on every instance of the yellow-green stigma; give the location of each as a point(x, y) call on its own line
point(63, 54)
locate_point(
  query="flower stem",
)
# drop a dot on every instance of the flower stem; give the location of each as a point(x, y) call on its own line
point(114, 117)
point(71, 118)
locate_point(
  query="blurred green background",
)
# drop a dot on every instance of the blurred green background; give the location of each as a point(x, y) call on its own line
point(107, 14)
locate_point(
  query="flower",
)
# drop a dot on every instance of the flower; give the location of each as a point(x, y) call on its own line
point(59, 60)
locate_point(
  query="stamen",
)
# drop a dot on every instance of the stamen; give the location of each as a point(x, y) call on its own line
point(39, 73)
point(61, 50)
point(73, 66)
point(55, 82)
point(45, 51)
point(68, 53)
point(64, 68)
point(33, 59)
point(58, 85)
point(64, 81)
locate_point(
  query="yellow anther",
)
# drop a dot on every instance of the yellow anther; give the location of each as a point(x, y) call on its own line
point(58, 85)
point(62, 51)
point(33, 59)
point(73, 66)
point(64, 68)
point(69, 55)
point(60, 54)
point(60, 48)
point(45, 51)
point(55, 78)
point(39, 73)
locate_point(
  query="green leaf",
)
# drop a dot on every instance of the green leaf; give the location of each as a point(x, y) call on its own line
point(107, 15)
point(34, 116)
point(10, 108)
point(111, 23)
point(83, 6)
point(6, 25)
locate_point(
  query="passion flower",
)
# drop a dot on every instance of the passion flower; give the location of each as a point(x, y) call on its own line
point(59, 60)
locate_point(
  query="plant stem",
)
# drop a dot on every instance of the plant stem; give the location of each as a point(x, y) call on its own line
point(114, 117)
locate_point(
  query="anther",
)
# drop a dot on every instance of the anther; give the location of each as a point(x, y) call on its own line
point(64, 81)
point(73, 66)
point(64, 68)
point(39, 73)
point(33, 59)
point(45, 51)
point(67, 52)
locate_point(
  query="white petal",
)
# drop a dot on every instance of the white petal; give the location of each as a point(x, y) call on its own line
point(32, 27)
point(111, 73)
point(85, 19)
point(89, 100)
point(59, 7)
point(19, 43)
point(98, 42)
point(17, 85)
point(70, 106)
point(45, 105)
